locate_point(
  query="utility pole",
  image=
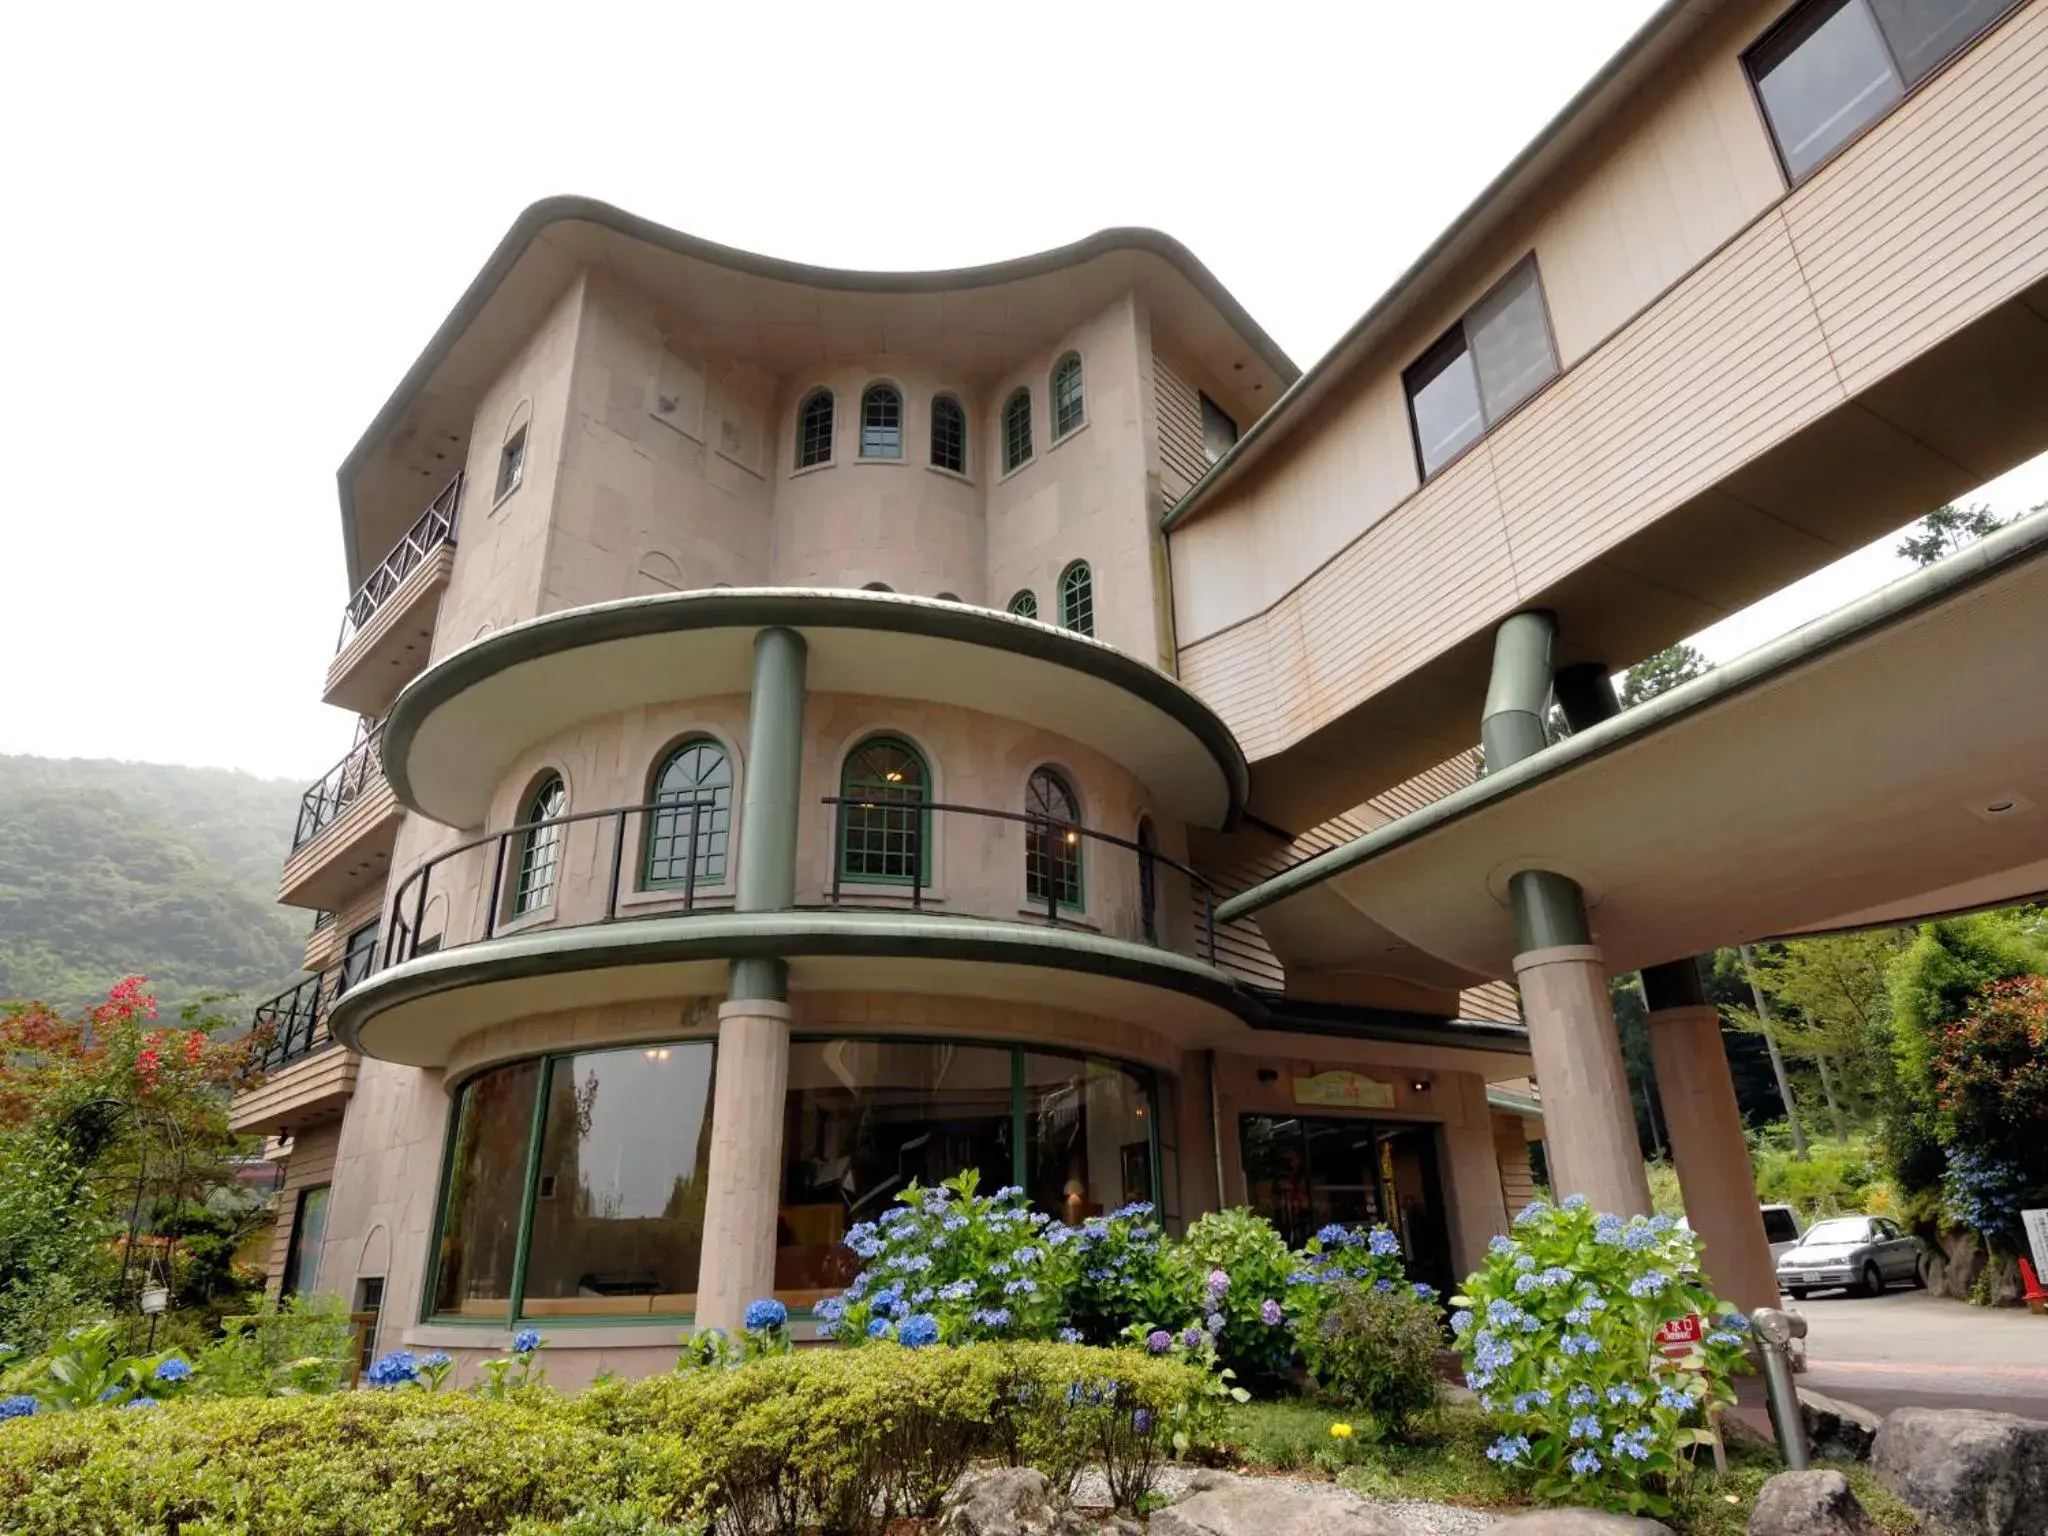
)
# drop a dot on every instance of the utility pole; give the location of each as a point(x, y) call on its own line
point(1763, 1013)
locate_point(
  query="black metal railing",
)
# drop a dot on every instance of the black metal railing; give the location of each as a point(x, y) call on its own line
point(508, 849)
point(436, 526)
point(290, 1026)
point(338, 789)
point(897, 858)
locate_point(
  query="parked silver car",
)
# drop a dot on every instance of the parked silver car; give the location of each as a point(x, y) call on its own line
point(1863, 1254)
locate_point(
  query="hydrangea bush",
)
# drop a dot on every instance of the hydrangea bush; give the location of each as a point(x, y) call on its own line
point(1559, 1333)
point(1256, 1339)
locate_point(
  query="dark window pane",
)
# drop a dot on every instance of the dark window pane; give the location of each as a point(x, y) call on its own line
point(618, 1209)
point(539, 849)
point(886, 837)
point(1068, 409)
point(1821, 79)
point(881, 424)
point(1088, 1136)
point(1025, 604)
point(863, 1119)
point(1219, 430)
point(1077, 599)
point(814, 431)
point(1443, 394)
point(1779, 1227)
point(1510, 343)
point(309, 1230)
point(511, 464)
point(949, 435)
point(1052, 843)
point(1016, 430)
point(358, 959)
point(486, 1183)
point(1925, 32)
point(697, 780)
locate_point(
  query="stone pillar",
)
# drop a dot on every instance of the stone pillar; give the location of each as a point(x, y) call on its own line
point(742, 1186)
point(1589, 1121)
point(1705, 1126)
point(1478, 1208)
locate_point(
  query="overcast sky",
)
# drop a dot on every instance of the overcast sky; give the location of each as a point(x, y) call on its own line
point(231, 228)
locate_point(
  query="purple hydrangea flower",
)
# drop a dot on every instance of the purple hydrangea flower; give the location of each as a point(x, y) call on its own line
point(1270, 1313)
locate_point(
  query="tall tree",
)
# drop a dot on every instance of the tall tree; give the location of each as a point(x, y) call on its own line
point(1827, 1004)
point(1661, 673)
point(1949, 528)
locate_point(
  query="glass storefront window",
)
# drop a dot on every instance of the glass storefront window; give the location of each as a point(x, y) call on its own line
point(618, 1199)
point(486, 1187)
point(862, 1120)
point(1088, 1146)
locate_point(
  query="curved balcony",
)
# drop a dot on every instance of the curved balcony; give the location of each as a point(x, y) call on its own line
point(387, 628)
point(346, 828)
point(294, 1076)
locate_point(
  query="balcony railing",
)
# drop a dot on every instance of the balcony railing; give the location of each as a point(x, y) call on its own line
point(339, 788)
point(289, 1027)
point(435, 527)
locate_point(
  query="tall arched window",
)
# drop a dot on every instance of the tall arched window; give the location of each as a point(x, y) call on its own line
point(1077, 599)
point(881, 422)
point(814, 429)
point(1069, 407)
point(1052, 840)
point(949, 435)
point(539, 849)
point(1148, 880)
point(1025, 604)
point(1016, 430)
point(687, 845)
point(885, 835)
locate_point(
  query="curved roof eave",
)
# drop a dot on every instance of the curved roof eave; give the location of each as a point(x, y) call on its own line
point(535, 219)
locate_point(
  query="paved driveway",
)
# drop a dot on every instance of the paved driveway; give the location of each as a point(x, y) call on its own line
point(1907, 1347)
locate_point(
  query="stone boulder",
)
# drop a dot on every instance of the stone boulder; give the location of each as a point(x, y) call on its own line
point(1838, 1431)
point(1977, 1473)
point(1577, 1522)
point(1007, 1501)
point(1253, 1507)
point(1809, 1504)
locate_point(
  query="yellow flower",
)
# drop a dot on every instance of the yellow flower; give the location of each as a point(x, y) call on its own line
point(1340, 1431)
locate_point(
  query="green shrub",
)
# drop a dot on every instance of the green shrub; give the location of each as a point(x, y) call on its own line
point(1375, 1350)
point(1833, 1179)
point(1255, 1340)
point(302, 1344)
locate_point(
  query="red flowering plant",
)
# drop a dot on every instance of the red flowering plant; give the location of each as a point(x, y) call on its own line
point(1990, 1074)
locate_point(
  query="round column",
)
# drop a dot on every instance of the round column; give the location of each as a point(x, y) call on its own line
point(743, 1183)
point(1589, 1124)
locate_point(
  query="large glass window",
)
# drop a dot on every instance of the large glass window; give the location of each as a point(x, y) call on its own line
point(309, 1231)
point(687, 845)
point(814, 430)
point(618, 1196)
point(881, 422)
point(485, 1189)
point(949, 435)
point(1088, 1136)
point(1016, 430)
point(539, 848)
point(1492, 360)
point(1836, 66)
point(1069, 404)
point(884, 835)
point(1052, 840)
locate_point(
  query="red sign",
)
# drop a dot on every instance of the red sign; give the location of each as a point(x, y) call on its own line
point(1681, 1334)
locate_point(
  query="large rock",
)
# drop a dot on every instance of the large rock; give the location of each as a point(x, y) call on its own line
point(1809, 1504)
point(1577, 1522)
point(1838, 1431)
point(1250, 1507)
point(1980, 1474)
point(1007, 1501)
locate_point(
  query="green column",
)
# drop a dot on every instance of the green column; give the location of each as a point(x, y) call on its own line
point(768, 807)
point(1549, 908)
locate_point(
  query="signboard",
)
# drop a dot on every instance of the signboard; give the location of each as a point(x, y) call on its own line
point(1349, 1090)
point(1681, 1335)
point(2036, 1223)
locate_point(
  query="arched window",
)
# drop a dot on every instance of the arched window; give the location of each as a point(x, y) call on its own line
point(814, 430)
point(1077, 599)
point(1148, 880)
point(539, 853)
point(1052, 840)
point(1069, 407)
point(1025, 604)
point(948, 597)
point(949, 435)
point(1016, 430)
point(881, 422)
point(885, 838)
point(686, 846)
point(877, 586)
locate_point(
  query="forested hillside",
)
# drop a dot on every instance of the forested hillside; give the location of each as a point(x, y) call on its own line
point(110, 867)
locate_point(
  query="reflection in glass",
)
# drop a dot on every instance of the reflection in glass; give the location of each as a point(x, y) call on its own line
point(309, 1230)
point(486, 1182)
point(1925, 32)
point(618, 1207)
point(862, 1119)
point(1443, 392)
point(1088, 1139)
point(697, 779)
point(1511, 343)
point(1822, 79)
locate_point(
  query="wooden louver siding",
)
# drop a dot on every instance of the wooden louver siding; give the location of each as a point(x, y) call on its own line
point(1182, 457)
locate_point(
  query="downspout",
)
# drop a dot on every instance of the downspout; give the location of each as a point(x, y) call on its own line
point(1549, 911)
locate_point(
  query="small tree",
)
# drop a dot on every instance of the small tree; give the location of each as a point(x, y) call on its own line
point(1947, 529)
point(1662, 672)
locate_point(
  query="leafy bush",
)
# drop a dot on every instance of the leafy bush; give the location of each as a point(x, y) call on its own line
point(1558, 1329)
point(1255, 1340)
point(302, 1344)
point(1833, 1179)
point(1376, 1350)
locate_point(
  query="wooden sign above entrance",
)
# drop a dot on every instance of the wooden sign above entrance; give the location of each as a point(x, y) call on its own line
point(1352, 1090)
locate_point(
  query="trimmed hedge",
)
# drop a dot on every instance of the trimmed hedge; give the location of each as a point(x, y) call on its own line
point(840, 1442)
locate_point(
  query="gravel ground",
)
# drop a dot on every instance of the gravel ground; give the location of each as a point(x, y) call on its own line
point(1417, 1517)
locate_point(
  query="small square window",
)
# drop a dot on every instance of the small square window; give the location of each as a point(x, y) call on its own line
point(511, 464)
point(1219, 430)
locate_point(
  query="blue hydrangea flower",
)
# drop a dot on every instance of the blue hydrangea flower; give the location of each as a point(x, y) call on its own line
point(393, 1370)
point(173, 1369)
point(1573, 1203)
point(140, 1402)
point(1010, 1192)
point(1383, 1285)
point(1607, 1231)
point(1213, 1322)
point(1335, 1235)
point(20, 1406)
point(1662, 1225)
point(1508, 1449)
point(436, 1360)
point(956, 1290)
point(766, 1313)
point(878, 1327)
point(527, 1340)
point(1501, 1244)
point(1525, 1401)
point(1530, 1212)
point(1493, 1354)
point(1581, 1396)
point(1301, 1277)
point(992, 1317)
point(1720, 1336)
point(1579, 1344)
point(1382, 1242)
point(828, 1311)
point(1671, 1397)
point(1639, 1237)
point(886, 1301)
point(1634, 1444)
point(1501, 1312)
point(918, 1330)
point(896, 1213)
point(1021, 1287)
point(1625, 1394)
point(1734, 1322)
point(1070, 1335)
point(1584, 1463)
point(1585, 1427)
point(1461, 1322)
point(1424, 1292)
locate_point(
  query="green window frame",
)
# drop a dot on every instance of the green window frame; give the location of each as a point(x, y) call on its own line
point(814, 430)
point(539, 858)
point(696, 771)
point(1017, 430)
point(1069, 399)
point(949, 434)
point(884, 831)
point(1077, 598)
point(1052, 857)
point(881, 422)
point(1025, 604)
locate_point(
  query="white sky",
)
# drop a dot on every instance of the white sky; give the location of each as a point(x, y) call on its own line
point(230, 228)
